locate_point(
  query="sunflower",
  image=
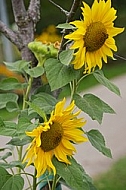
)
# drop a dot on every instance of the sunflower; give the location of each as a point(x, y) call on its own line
point(55, 137)
point(93, 38)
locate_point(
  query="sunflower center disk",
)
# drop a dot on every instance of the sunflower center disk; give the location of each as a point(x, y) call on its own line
point(51, 138)
point(95, 36)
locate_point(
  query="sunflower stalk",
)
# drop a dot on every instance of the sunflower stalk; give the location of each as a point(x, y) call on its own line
point(73, 87)
point(54, 182)
point(35, 180)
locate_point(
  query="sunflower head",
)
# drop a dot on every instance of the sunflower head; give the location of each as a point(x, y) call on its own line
point(93, 38)
point(54, 138)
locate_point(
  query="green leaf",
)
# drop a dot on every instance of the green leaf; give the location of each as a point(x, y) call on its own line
point(98, 74)
point(7, 97)
point(44, 101)
point(17, 164)
point(15, 182)
point(97, 140)
point(17, 66)
point(5, 165)
point(73, 174)
point(66, 56)
point(35, 72)
point(20, 142)
point(24, 124)
point(37, 110)
point(6, 155)
point(93, 106)
point(7, 128)
point(59, 75)
point(12, 107)
point(7, 147)
point(13, 164)
point(65, 26)
point(10, 84)
point(4, 176)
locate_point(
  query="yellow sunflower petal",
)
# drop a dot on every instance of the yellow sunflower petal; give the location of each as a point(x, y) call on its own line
point(91, 46)
point(115, 31)
point(48, 157)
point(61, 155)
point(110, 42)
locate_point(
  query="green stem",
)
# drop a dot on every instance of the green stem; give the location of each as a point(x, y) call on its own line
point(54, 182)
point(10, 168)
point(25, 98)
point(73, 86)
point(20, 158)
point(26, 174)
point(27, 93)
point(34, 180)
point(82, 78)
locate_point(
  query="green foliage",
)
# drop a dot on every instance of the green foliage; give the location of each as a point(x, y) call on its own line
point(18, 66)
point(73, 174)
point(97, 140)
point(12, 129)
point(59, 75)
point(65, 26)
point(7, 97)
point(20, 142)
point(7, 128)
point(13, 164)
point(35, 72)
point(10, 84)
point(93, 106)
point(12, 182)
point(24, 124)
point(66, 56)
point(12, 107)
point(6, 155)
point(44, 101)
point(104, 81)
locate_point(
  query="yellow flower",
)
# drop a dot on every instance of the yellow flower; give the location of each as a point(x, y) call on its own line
point(49, 34)
point(54, 138)
point(93, 39)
